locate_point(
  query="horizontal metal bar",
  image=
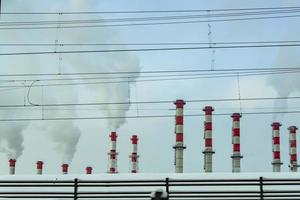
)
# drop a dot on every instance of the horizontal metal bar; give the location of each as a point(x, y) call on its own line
point(121, 181)
point(37, 196)
point(213, 180)
point(39, 185)
point(114, 192)
point(121, 185)
point(120, 196)
point(41, 193)
point(214, 192)
point(214, 196)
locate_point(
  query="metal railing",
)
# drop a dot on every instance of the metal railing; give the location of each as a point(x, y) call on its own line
point(177, 189)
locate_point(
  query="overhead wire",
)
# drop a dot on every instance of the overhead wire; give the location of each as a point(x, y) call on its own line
point(142, 116)
point(149, 23)
point(147, 49)
point(152, 18)
point(135, 76)
point(148, 11)
point(151, 102)
point(129, 80)
point(150, 43)
point(182, 70)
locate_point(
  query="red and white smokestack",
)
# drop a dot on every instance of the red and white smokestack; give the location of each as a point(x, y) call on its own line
point(39, 167)
point(236, 156)
point(65, 168)
point(113, 153)
point(293, 148)
point(179, 147)
point(134, 156)
point(12, 166)
point(208, 151)
point(88, 170)
point(276, 147)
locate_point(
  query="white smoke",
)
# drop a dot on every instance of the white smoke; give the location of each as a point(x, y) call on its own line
point(64, 134)
point(11, 139)
point(286, 84)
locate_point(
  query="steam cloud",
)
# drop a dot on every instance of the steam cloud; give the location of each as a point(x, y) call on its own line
point(286, 84)
point(65, 134)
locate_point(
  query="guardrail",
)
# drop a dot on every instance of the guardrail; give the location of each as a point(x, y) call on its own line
point(177, 189)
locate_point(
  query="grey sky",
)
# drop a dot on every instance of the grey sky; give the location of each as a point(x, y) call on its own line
point(156, 135)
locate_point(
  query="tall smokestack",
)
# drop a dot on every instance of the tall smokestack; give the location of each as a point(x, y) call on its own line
point(208, 151)
point(293, 148)
point(276, 147)
point(88, 170)
point(134, 156)
point(65, 168)
point(12, 166)
point(179, 147)
point(236, 156)
point(113, 153)
point(39, 167)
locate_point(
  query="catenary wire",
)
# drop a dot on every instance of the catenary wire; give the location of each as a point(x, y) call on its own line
point(147, 49)
point(143, 116)
point(240, 69)
point(146, 24)
point(149, 11)
point(149, 44)
point(128, 80)
point(153, 102)
point(136, 19)
point(134, 76)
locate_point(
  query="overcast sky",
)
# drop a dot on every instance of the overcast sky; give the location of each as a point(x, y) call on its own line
point(53, 142)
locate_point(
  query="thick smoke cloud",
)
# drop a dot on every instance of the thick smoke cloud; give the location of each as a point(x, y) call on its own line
point(64, 134)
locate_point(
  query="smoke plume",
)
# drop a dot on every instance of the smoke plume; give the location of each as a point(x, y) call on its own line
point(286, 84)
point(64, 134)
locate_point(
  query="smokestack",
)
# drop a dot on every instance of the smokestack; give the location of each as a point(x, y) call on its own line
point(179, 147)
point(276, 147)
point(12, 166)
point(208, 151)
point(293, 148)
point(39, 167)
point(236, 156)
point(65, 168)
point(113, 153)
point(88, 170)
point(134, 156)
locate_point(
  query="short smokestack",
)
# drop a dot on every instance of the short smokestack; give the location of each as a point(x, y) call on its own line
point(134, 156)
point(88, 170)
point(65, 168)
point(179, 146)
point(113, 153)
point(39, 167)
point(293, 148)
point(276, 147)
point(236, 156)
point(208, 151)
point(12, 166)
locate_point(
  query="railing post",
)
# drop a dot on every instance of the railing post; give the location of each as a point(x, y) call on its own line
point(75, 188)
point(167, 187)
point(261, 189)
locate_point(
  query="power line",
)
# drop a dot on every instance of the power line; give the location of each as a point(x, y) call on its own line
point(128, 80)
point(146, 49)
point(152, 18)
point(149, 11)
point(154, 102)
point(146, 24)
point(210, 74)
point(149, 43)
point(240, 69)
point(142, 116)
